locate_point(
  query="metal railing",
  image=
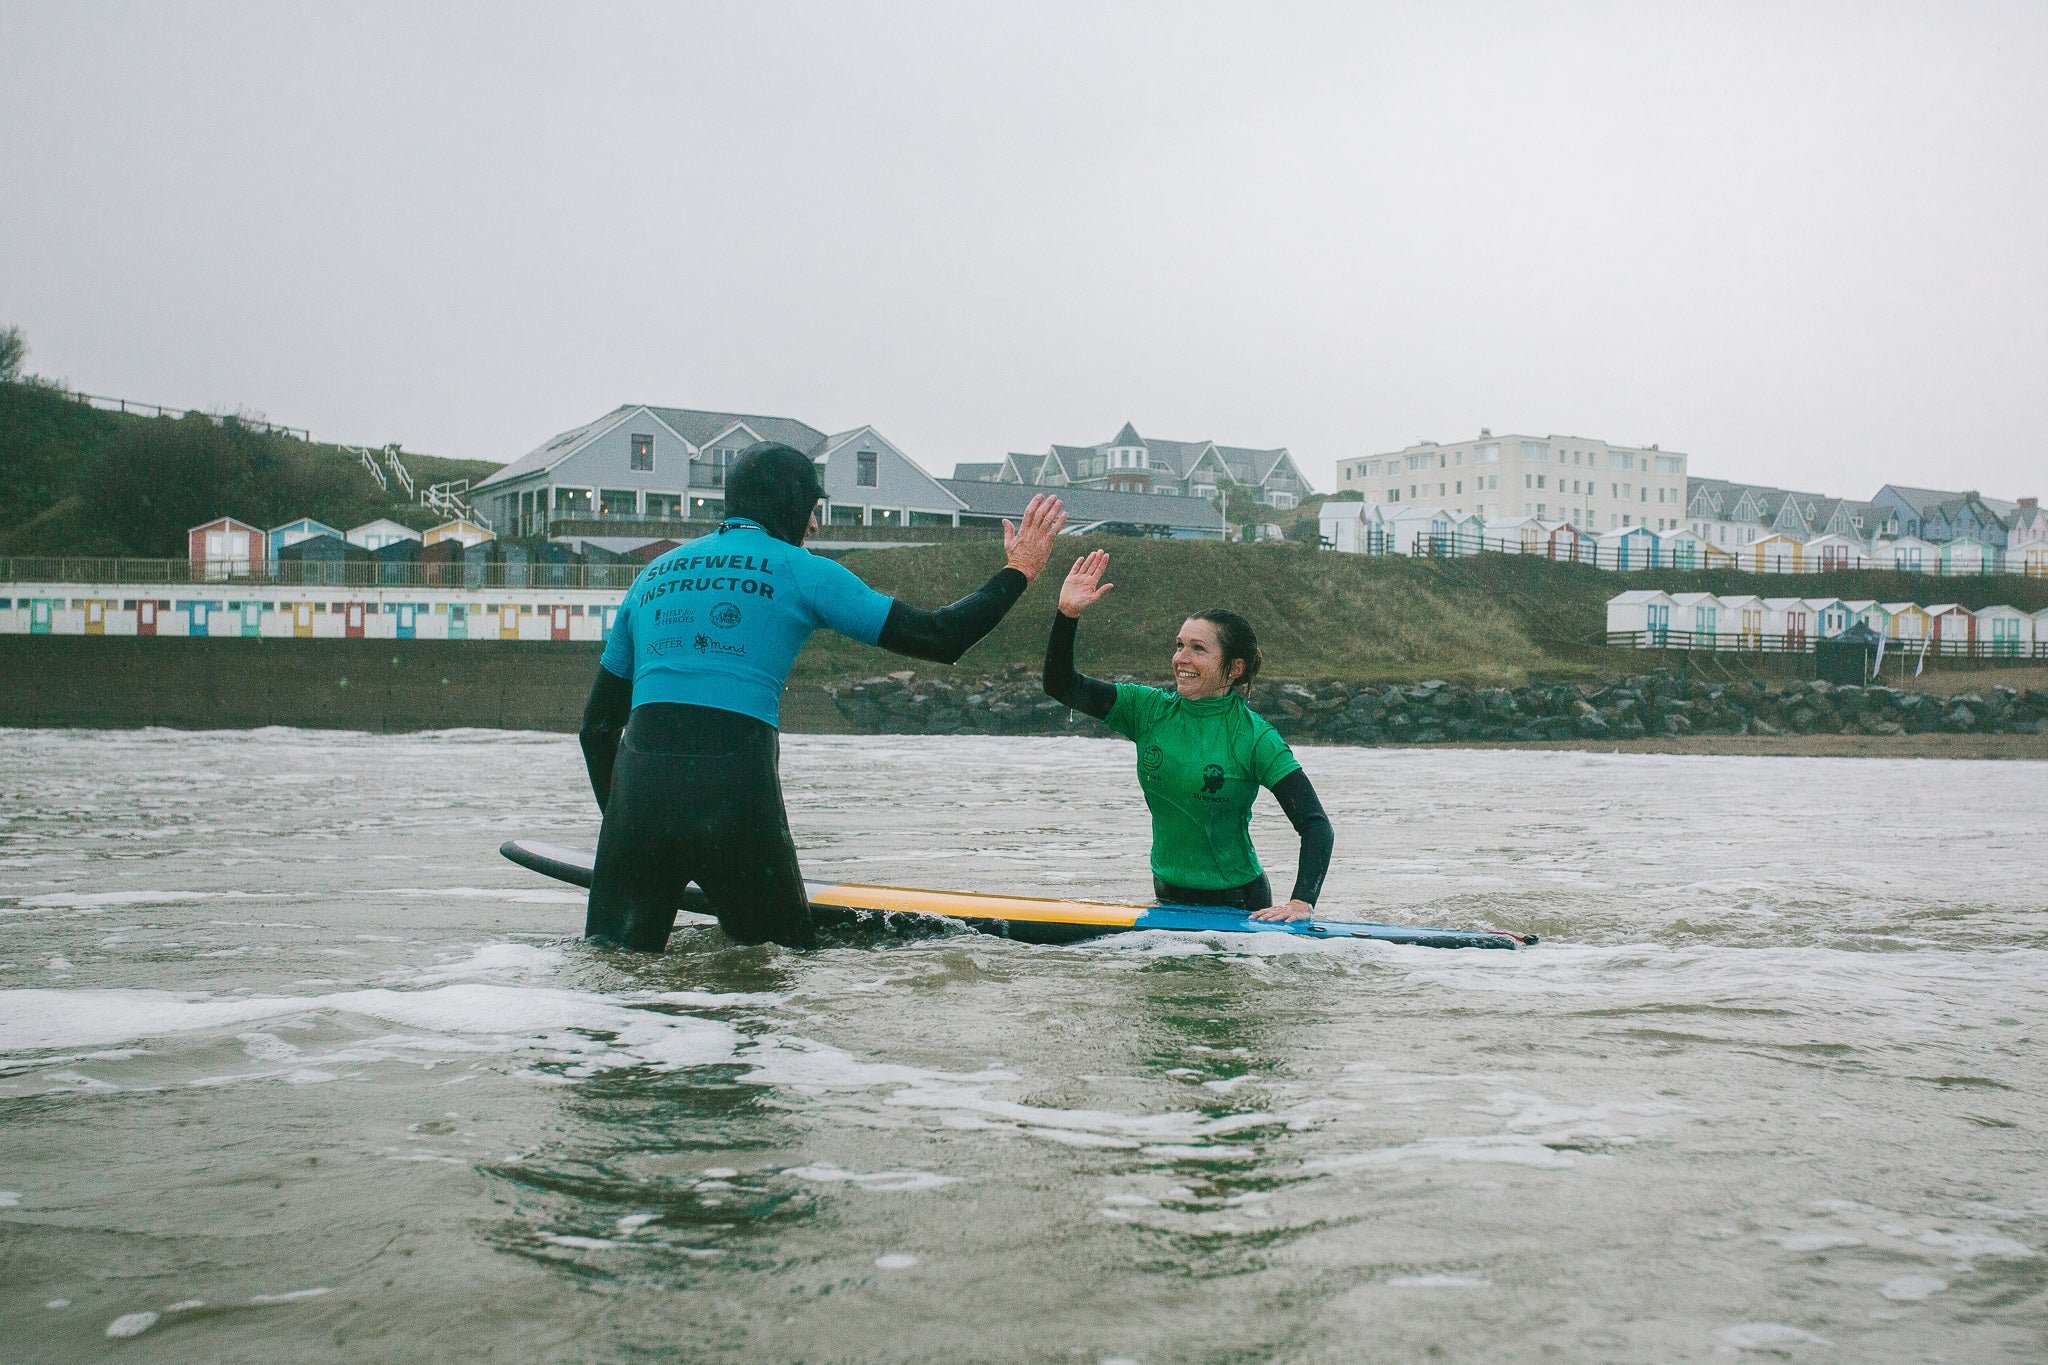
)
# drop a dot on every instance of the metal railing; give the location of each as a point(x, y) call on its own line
point(452, 574)
point(1756, 642)
point(140, 409)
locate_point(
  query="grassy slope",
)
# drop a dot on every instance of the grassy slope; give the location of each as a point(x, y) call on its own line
point(48, 443)
point(1495, 619)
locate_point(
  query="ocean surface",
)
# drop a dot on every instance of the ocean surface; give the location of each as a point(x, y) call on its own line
point(294, 1067)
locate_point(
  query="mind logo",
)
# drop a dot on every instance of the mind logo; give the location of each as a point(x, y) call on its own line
point(725, 615)
point(1212, 779)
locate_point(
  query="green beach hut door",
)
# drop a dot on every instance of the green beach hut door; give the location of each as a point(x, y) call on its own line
point(458, 621)
point(39, 617)
point(1660, 624)
point(252, 620)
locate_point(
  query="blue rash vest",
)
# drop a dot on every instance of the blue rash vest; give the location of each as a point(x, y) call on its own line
point(718, 622)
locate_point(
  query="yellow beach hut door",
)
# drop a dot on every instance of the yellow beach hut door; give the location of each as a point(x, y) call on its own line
point(508, 622)
point(95, 617)
point(302, 620)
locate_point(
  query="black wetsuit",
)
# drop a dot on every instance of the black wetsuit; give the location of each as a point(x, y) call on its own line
point(691, 793)
point(1297, 796)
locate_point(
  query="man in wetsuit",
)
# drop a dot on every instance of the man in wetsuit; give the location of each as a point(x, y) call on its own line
point(680, 731)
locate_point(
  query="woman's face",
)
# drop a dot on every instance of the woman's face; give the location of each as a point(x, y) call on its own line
point(1198, 662)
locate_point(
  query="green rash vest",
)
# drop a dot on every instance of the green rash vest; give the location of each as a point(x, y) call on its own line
point(1201, 764)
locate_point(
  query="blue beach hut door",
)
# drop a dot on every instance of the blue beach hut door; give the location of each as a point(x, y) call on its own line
point(406, 629)
point(1660, 624)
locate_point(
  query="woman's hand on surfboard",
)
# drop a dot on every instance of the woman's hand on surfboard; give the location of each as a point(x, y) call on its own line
point(1084, 586)
point(1293, 910)
point(1027, 547)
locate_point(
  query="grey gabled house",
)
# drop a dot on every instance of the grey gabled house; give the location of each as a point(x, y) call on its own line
point(1130, 463)
point(644, 463)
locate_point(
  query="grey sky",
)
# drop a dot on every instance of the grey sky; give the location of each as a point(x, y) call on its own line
point(1804, 244)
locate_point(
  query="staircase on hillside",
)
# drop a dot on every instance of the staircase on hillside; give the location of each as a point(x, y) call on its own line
point(450, 499)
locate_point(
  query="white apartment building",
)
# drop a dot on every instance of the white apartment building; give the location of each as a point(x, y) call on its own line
point(1593, 485)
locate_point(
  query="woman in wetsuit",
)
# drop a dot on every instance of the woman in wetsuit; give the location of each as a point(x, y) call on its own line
point(1203, 754)
point(680, 732)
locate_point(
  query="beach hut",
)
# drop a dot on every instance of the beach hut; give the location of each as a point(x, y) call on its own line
point(1697, 617)
point(1681, 550)
point(1775, 553)
point(1831, 616)
point(2040, 632)
point(1352, 528)
point(2031, 560)
point(1788, 624)
point(1516, 535)
point(1470, 531)
point(1742, 621)
point(1954, 627)
point(225, 548)
point(1716, 557)
point(1968, 555)
point(460, 530)
point(1565, 541)
point(1826, 554)
point(1641, 618)
point(2005, 632)
point(1632, 547)
point(323, 559)
point(375, 535)
point(1909, 623)
point(1418, 530)
point(292, 532)
point(1906, 554)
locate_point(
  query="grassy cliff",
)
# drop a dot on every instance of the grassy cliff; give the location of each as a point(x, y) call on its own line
point(1496, 620)
point(78, 481)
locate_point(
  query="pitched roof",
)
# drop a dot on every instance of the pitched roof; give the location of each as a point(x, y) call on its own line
point(694, 425)
point(979, 470)
point(1090, 505)
point(1127, 437)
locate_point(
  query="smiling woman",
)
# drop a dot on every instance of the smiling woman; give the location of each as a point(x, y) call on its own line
point(1203, 754)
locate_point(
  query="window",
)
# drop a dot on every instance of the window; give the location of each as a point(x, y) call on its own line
point(888, 516)
point(847, 516)
point(664, 504)
point(1528, 481)
point(1461, 487)
point(867, 464)
point(618, 502)
point(1531, 450)
point(1540, 479)
point(1620, 459)
point(1486, 455)
point(643, 453)
point(1393, 495)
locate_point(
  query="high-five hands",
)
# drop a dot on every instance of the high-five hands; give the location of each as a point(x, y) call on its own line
point(1084, 586)
point(1027, 547)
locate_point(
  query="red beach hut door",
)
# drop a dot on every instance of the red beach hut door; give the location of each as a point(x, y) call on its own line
point(558, 624)
point(354, 628)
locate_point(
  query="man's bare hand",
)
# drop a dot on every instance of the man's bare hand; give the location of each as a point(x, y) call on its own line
point(1026, 548)
point(1293, 910)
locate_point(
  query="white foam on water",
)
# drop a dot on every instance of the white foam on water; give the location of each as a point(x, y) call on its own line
point(1506, 1149)
point(291, 1296)
point(107, 900)
point(58, 1303)
point(497, 961)
point(577, 1243)
point(1968, 1246)
point(553, 1020)
point(1912, 1288)
point(719, 1172)
point(896, 1260)
point(131, 1324)
point(58, 964)
point(874, 1180)
point(1767, 1336)
point(185, 1305)
point(633, 1222)
point(1437, 1282)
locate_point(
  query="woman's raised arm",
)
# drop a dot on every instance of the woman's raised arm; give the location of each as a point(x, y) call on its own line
point(1083, 589)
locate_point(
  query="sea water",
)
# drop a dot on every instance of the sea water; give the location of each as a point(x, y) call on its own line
point(294, 1066)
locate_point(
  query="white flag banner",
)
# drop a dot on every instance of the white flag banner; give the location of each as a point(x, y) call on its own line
point(1925, 641)
point(1878, 663)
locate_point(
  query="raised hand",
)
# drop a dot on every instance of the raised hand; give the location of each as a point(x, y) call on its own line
point(1027, 547)
point(1084, 586)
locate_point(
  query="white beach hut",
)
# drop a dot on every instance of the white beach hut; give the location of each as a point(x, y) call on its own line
point(1825, 554)
point(2005, 632)
point(1681, 550)
point(375, 535)
point(1742, 621)
point(1419, 530)
point(1353, 528)
point(1788, 623)
point(1830, 616)
point(1907, 554)
point(1516, 535)
point(1968, 555)
point(1954, 627)
point(1631, 547)
point(1697, 617)
point(1641, 617)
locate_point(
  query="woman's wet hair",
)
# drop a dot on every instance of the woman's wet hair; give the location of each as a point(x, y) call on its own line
point(776, 485)
point(1236, 640)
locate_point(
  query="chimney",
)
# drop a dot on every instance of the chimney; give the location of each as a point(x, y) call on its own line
point(2030, 502)
point(1970, 495)
point(1486, 431)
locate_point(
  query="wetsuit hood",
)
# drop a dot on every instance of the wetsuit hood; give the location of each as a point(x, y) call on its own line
point(776, 485)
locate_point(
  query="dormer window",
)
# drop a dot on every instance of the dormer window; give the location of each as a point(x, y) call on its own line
point(643, 453)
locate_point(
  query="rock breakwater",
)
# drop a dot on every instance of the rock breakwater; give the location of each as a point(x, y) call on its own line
point(1638, 707)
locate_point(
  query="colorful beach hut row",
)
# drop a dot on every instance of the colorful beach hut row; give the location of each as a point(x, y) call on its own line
point(1375, 528)
point(1651, 619)
point(243, 611)
point(225, 548)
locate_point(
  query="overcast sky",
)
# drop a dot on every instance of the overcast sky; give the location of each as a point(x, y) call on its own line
point(1806, 244)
